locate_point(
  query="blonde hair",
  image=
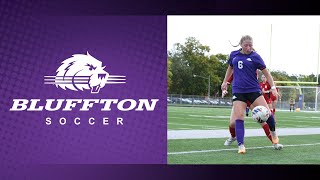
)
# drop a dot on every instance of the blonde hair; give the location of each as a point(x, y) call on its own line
point(243, 38)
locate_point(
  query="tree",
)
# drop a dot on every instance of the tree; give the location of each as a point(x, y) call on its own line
point(169, 74)
point(192, 58)
point(221, 67)
point(280, 76)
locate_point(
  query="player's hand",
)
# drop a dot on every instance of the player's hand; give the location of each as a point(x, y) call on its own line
point(224, 92)
point(224, 86)
point(274, 92)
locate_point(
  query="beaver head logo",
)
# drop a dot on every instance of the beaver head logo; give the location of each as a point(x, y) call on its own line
point(82, 71)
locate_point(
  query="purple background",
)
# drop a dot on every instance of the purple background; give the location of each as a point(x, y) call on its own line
point(34, 46)
point(25, 26)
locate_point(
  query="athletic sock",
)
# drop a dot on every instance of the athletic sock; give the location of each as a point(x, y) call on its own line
point(232, 131)
point(271, 122)
point(267, 131)
point(240, 131)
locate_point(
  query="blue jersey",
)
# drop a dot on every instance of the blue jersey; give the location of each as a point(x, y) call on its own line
point(244, 71)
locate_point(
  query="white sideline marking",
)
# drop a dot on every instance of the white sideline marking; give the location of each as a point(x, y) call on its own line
point(224, 117)
point(304, 117)
point(233, 149)
point(224, 133)
point(202, 119)
point(292, 122)
point(192, 125)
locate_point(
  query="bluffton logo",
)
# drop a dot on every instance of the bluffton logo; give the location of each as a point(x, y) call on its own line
point(83, 71)
point(77, 73)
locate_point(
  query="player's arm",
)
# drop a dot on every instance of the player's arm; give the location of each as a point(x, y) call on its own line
point(265, 91)
point(270, 81)
point(224, 92)
point(229, 72)
point(262, 88)
point(279, 94)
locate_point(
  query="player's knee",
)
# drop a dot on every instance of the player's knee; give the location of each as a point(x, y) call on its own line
point(262, 124)
point(232, 124)
point(239, 116)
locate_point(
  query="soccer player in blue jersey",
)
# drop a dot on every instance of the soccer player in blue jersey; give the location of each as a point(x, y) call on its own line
point(243, 63)
point(232, 130)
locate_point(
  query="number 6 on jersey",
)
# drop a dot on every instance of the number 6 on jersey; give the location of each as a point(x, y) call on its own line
point(240, 64)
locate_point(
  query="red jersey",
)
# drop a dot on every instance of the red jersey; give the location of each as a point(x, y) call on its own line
point(272, 97)
point(266, 87)
point(230, 79)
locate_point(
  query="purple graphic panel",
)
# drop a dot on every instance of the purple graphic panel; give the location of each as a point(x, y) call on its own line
point(132, 48)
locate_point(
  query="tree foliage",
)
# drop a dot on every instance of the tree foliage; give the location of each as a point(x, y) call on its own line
point(193, 58)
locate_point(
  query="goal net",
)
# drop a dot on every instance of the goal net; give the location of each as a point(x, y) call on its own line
point(306, 98)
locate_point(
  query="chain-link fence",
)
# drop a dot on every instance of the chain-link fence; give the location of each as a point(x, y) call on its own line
point(306, 98)
point(193, 100)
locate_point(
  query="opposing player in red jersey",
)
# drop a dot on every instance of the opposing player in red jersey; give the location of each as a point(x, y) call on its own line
point(232, 131)
point(266, 88)
point(274, 100)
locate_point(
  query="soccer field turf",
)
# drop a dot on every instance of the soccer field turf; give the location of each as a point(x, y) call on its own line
point(298, 148)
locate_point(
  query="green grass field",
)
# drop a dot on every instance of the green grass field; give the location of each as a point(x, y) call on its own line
point(298, 149)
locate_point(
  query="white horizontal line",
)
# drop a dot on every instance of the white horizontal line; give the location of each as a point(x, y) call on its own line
point(50, 77)
point(110, 82)
point(77, 83)
point(201, 125)
point(233, 149)
point(115, 79)
point(116, 76)
point(67, 80)
point(224, 133)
